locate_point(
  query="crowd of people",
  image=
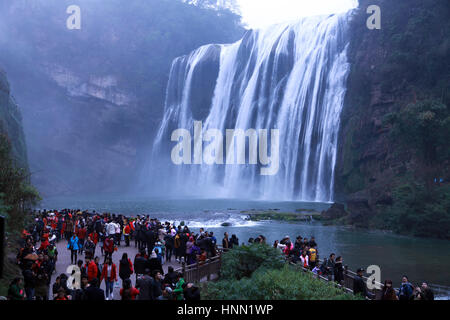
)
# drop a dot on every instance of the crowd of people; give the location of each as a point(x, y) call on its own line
point(156, 243)
point(306, 253)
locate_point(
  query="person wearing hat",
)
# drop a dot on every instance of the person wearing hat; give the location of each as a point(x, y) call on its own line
point(359, 285)
point(166, 294)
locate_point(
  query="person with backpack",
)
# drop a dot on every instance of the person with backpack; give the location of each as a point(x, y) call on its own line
point(125, 267)
point(406, 290)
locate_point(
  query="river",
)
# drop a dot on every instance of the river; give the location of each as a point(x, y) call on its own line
point(422, 259)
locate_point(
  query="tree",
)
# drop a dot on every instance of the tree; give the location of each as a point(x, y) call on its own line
point(16, 192)
point(424, 127)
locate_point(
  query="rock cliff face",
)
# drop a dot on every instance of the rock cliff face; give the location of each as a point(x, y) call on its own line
point(404, 62)
point(11, 123)
point(93, 97)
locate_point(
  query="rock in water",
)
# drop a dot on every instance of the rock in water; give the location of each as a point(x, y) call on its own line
point(336, 211)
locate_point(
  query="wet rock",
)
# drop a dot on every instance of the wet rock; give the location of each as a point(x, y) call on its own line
point(336, 211)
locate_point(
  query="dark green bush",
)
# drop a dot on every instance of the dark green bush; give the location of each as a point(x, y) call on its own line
point(242, 261)
point(287, 283)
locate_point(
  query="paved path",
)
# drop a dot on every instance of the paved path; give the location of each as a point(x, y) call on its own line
point(64, 261)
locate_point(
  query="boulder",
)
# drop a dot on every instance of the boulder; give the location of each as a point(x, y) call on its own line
point(336, 211)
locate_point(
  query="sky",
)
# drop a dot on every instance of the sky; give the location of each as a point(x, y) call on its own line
point(261, 13)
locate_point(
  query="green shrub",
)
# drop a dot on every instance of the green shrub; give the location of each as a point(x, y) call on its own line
point(242, 261)
point(287, 283)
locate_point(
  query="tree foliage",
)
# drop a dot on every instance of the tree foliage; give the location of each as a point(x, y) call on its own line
point(16, 192)
point(258, 272)
point(242, 261)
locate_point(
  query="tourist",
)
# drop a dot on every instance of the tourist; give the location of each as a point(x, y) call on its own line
point(157, 285)
point(427, 292)
point(140, 264)
point(73, 246)
point(80, 294)
point(178, 291)
point(91, 269)
point(128, 292)
point(109, 274)
point(56, 287)
point(312, 253)
point(169, 243)
point(234, 241)
point(388, 291)
point(317, 269)
point(89, 248)
point(93, 292)
point(304, 260)
point(125, 267)
point(359, 285)
point(177, 247)
point(145, 285)
point(406, 290)
point(166, 294)
point(29, 278)
point(61, 295)
point(126, 234)
point(154, 264)
point(15, 290)
point(108, 247)
point(81, 234)
point(329, 266)
point(338, 270)
point(191, 292)
point(171, 277)
point(225, 242)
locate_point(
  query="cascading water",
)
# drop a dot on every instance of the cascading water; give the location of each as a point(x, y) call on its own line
point(290, 77)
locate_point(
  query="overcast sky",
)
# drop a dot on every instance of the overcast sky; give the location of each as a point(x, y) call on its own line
point(260, 13)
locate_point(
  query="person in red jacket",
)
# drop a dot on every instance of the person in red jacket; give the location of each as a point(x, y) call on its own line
point(128, 292)
point(91, 269)
point(109, 274)
point(81, 234)
point(108, 247)
point(126, 234)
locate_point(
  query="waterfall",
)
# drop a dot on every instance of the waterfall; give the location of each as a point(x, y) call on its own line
point(290, 77)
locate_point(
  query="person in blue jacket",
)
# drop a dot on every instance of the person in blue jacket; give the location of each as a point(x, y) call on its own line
point(406, 289)
point(73, 246)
